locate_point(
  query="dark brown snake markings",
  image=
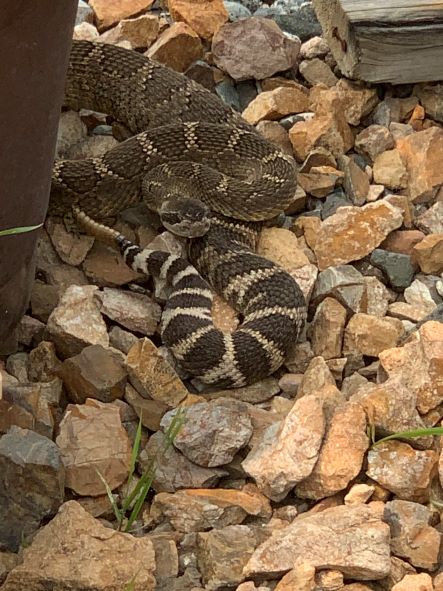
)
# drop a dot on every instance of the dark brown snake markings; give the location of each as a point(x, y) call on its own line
point(239, 175)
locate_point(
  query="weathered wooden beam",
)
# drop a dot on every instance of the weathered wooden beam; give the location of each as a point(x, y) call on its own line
point(397, 41)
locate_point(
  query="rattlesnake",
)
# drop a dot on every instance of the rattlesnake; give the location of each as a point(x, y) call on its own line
point(193, 144)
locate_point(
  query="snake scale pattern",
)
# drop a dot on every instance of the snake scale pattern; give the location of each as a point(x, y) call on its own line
point(188, 142)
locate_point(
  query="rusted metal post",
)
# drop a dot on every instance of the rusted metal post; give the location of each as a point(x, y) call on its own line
point(35, 41)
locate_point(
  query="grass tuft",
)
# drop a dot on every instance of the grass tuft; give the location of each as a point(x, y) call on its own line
point(20, 230)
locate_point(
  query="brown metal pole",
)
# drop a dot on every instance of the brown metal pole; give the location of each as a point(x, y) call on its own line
point(35, 39)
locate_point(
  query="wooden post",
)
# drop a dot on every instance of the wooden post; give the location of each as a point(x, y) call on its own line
point(382, 41)
point(34, 44)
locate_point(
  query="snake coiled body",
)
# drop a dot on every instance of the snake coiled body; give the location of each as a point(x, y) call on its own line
point(241, 177)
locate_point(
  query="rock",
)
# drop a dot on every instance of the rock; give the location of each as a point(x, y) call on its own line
point(134, 311)
point(344, 283)
point(301, 578)
point(369, 335)
point(316, 71)
point(76, 322)
point(222, 554)
point(121, 339)
point(212, 432)
point(330, 131)
point(236, 10)
point(431, 221)
point(397, 267)
point(422, 152)
point(85, 32)
point(110, 12)
point(412, 536)
point(320, 180)
point(314, 47)
point(428, 253)
point(105, 266)
point(353, 232)
point(359, 494)
point(27, 406)
point(353, 540)
point(204, 16)
point(177, 47)
point(84, 13)
point(281, 247)
point(149, 411)
point(374, 192)
point(377, 297)
point(254, 393)
point(141, 32)
point(71, 130)
point(327, 328)
point(356, 181)
point(374, 140)
point(8, 560)
point(389, 170)
point(295, 19)
point(204, 509)
point(276, 134)
point(75, 538)
point(341, 455)
point(152, 375)
point(253, 48)
point(44, 298)
point(275, 104)
point(421, 582)
point(288, 450)
point(28, 462)
point(422, 294)
point(29, 330)
point(354, 100)
point(403, 470)
point(402, 241)
point(173, 470)
point(96, 372)
point(91, 438)
point(71, 248)
point(92, 147)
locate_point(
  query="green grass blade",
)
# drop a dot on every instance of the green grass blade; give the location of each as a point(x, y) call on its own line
point(117, 512)
point(411, 434)
point(140, 500)
point(20, 230)
point(135, 450)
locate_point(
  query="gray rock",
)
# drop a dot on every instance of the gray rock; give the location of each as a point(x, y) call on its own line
point(295, 17)
point(333, 202)
point(236, 10)
point(84, 13)
point(31, 484)
point(397, 267)
point(344, 283)
point(228, 93)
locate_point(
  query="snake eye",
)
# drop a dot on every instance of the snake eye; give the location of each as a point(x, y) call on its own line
point(171, 218)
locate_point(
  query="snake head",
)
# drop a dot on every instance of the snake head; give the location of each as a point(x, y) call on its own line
point(185, 216)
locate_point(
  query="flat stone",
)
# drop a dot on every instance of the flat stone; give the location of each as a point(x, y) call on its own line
point(28, 462)
point(341, 455)
point(320, 180)
point(110, 12)
point(134, 311)
point(327, 328)
point(431, 221)
point(314, 47)
point(275, 104)
point(97, 372)
point(71, 248)
point(353, 540)
point(420, 582)
point(28, 406)
point(369, 335)
point(316, 71)
point(91, 438)
point(402, 241)
point(281, 247)
point(177, 47)
point(75, 538)
point(355, 182)
point(121, 339)
point(149, 411)
point(76, 322)
point(213, 432)
point(152, 375)
point(428, 253)
point(374, 140)
point(344, 283)
point(288, 450)
point(105, 266)
point(397, 267)
point(204, 16)
point(353, 232)
point(141, 32)
point(403, 470)
point(253, 48)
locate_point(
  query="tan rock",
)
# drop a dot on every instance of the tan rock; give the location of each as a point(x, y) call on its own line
point(369, 335)
point(390, 170)
point(204, 16)
point(253, 48)
point(405, 311)
point(150, 411)
point(76, 322)
point(320, 180)
point(276, 134)
point(177, 47)
point(422, 153)
point(402, 241)
point(141, 32)
point(91, 439)
point(421, 582)
point(355, 182)
point(152, 375)
point(71, 248)
point(316, 376)
point(275, 104)
point(353, 232)
point(374, 140)
point(288, 451)
point(327, 329)
point(316, 71)
point(104, 266)
point(110, 12)
point(354, 100)
point(341, 455)
point(134, 311)
point(281, 247)
point(109, 559)
point(300, 578)
point(329, 130)
point(403, 470)
point(358, 494)
point(428, 253)
point(86, 32)
point(353, 540)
